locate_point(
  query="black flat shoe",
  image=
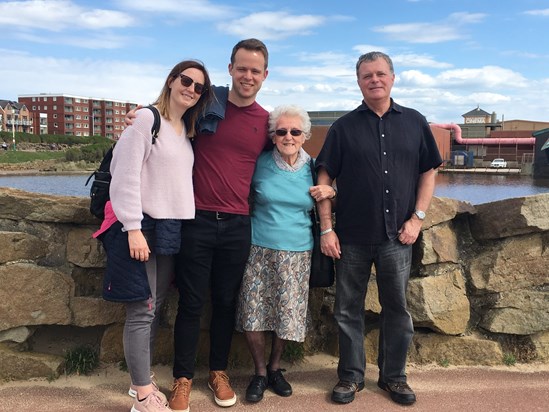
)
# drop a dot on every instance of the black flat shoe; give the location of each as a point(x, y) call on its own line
point(254, 391)
point(278, 383)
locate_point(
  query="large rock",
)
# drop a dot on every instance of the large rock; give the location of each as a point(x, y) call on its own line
point(443, 209)
point(511, 217)
point(454, 350)
point(83, 250)
point(514, 263)
point(89, 311)
point(20, 246)
point(18, 204)
point(440, 302)
point(111, 345)
point(439, 245)
point(18, 335)
point(520, 312)
point(26, 365)
point(34, 295)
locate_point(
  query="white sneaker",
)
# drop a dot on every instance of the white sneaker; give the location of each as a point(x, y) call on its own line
point(133, 391)
point(152, 403)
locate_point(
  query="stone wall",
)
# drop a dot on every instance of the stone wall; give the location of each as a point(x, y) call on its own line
point(479, 288)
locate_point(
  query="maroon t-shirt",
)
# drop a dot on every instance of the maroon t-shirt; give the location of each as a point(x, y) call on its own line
point(224, 162)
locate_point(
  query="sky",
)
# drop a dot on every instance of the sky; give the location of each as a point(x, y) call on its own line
point(450, 56)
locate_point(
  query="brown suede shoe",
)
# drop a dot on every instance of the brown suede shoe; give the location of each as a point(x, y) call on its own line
point(223, 393)
point(181, 391)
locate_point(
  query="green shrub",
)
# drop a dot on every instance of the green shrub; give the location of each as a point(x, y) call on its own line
point(81, 360)
point(509, 359)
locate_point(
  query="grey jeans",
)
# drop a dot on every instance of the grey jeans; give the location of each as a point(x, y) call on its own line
point(142, 319)
point(392, 261)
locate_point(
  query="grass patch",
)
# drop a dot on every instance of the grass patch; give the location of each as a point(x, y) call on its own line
point(18, 156)
point(444, 363)
point(81, 360)
point(509, 359)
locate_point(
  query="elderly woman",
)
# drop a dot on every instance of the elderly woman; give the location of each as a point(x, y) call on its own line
point(275, 288)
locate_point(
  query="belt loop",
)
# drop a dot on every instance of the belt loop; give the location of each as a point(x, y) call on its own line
point(217, 217)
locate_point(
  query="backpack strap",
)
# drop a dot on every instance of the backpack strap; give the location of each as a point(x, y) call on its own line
point(156, 123)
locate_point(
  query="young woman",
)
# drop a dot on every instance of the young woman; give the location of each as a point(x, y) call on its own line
point(151, 193)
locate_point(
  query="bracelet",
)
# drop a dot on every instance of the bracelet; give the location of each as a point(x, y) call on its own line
point(324, 232)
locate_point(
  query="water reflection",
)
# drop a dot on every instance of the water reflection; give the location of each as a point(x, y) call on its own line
point(474, 188)
point(484, 188)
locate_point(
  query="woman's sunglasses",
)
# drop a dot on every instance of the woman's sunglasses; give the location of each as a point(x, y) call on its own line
point(187, 81)
point(284, 132)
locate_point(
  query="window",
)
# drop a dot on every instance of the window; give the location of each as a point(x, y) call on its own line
point(55, 99)
point(54, 107)
point(33, 107)
point(55, 115)
point(45, 99)
point(34, 99)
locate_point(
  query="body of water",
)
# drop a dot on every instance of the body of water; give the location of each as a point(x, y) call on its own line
point(473, 188)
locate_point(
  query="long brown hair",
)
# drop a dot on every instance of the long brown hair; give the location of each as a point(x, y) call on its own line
point(193, 113)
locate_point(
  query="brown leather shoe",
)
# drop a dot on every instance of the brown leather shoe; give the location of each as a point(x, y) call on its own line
point(181, 391)
point(223, 393)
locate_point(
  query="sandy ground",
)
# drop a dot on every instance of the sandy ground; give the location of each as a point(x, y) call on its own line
point(501, 389)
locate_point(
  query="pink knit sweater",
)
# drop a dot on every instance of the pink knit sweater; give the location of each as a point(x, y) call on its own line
point(153, 179)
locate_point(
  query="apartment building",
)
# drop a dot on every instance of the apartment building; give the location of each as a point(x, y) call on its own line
point(14, 117)
point(76, 115)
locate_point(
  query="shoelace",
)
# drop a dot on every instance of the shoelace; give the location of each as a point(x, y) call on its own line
point(182, 388)
point(348, 385)
point(154, 398)
point(221, 379)
point(401, 386)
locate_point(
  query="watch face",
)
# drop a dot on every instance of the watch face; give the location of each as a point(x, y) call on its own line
point(420, 214)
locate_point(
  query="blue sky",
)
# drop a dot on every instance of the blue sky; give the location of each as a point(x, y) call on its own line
point(449, 55)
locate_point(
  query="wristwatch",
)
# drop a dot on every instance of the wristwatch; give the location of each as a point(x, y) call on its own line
point(420, 214)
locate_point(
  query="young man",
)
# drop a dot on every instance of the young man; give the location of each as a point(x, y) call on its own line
point(384, 158)
point(215, 245)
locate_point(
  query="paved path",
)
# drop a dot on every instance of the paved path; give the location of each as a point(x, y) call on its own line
point(502, 389)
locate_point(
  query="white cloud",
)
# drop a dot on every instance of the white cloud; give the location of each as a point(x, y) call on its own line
point(445, 30)
point(540, 12)
point(190, 9)
point(57, 15)
point(486, 77)
point(272, 25)
point(418, 60)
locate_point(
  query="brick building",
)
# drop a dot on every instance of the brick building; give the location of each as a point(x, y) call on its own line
point(65, 114)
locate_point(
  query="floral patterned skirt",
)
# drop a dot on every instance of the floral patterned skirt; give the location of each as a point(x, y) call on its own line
point(275, 293)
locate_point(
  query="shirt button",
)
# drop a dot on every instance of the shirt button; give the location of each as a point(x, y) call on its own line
point(386, 172)
point(384, 153)
point(386, 210)
point(386, 191)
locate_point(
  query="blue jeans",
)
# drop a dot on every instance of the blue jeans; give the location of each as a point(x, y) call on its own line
point(392, 261)
point(210, 265)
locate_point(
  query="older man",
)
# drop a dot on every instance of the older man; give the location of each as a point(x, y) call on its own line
point(384, 158)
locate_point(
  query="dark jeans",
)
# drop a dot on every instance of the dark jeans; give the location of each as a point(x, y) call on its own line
point(392, 261)
point(212, 258)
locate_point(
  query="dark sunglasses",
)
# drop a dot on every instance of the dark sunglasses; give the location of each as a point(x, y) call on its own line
point(284, 132)
point(186, 81)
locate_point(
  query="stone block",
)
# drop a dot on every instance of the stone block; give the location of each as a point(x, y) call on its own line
point(83, 250)
point(541, 343)
point(520, 312)
point(16, 365)
point(96, 311)
point(455, 350)
point(19, 334)
point(34, 295)
point(511, 217)
point(112, 346)
point(439, 245)
point(20, 246)
point(514, 263)
point(440, 302)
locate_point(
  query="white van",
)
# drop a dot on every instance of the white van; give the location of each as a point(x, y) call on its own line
point(497, 163)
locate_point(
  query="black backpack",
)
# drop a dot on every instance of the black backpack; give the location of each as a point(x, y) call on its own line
point(99, 191)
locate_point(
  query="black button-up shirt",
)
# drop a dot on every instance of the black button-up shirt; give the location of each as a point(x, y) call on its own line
point(377, 162)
